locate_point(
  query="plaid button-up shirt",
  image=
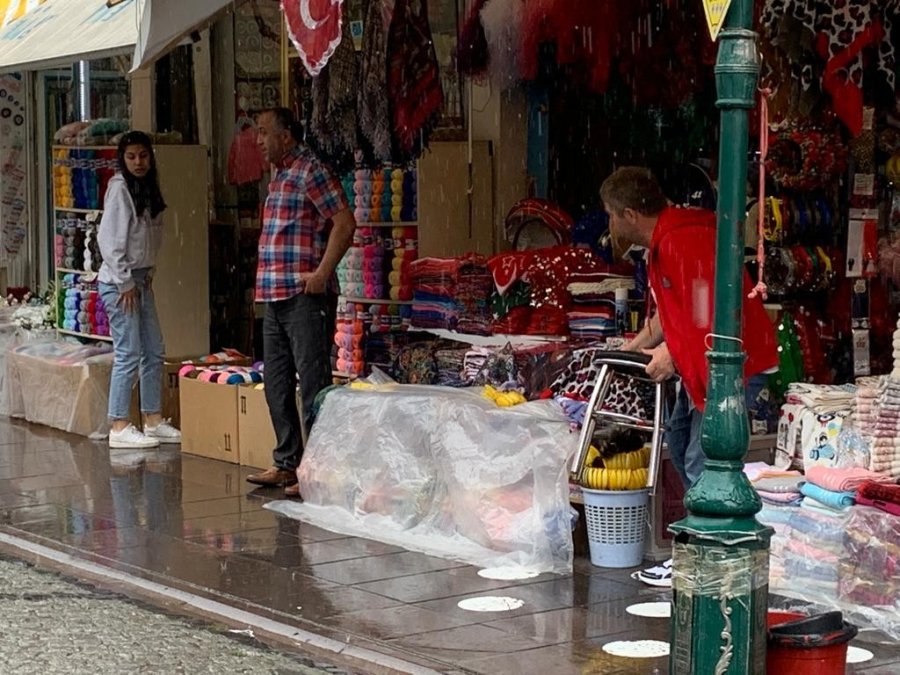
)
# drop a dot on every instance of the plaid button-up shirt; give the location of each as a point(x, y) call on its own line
point(303, 198)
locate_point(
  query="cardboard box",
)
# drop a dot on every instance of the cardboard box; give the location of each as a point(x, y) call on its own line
point(171, 402)
point(209, 420)
point(255, 430)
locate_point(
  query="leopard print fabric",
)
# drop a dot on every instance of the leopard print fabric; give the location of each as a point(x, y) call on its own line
point(626, 395)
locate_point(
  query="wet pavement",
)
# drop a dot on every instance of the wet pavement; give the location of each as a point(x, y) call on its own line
point(195, 525)
point(55, 625)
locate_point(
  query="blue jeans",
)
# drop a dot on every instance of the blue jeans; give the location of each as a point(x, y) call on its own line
point(138, 349)
point(683, 430)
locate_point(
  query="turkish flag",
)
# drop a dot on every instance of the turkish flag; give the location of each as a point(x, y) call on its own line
point(314, 27)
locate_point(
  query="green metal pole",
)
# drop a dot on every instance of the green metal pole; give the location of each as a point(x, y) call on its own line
point(721, 559)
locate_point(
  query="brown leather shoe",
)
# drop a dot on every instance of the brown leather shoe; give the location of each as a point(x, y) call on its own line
point(273, 477)
point(293, 491)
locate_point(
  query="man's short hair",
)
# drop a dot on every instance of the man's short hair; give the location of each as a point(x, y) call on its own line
point(633, 187)
point(285, 121)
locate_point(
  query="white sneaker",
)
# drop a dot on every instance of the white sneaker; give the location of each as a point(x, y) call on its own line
point(164, 433)
point(131, 438)
point(659, 576)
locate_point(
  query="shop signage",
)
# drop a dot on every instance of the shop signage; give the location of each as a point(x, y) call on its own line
point(716, 11)
point(314, 27)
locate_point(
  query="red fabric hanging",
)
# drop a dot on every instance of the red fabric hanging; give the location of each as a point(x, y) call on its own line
point(314, 27)
point(583, 31)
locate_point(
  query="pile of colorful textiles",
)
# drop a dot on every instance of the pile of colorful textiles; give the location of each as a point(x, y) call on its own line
point(593, 312)
point(883, 496)
point(222, 374)
point(811, 420)
point(779, 488)
point(450, 367)
point(450, 290)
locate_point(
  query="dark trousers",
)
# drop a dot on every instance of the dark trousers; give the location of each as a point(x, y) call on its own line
point(297, 337)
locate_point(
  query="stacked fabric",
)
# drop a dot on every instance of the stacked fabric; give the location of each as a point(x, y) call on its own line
point(403, 250)
point(879, 424)
point(779, 488)
point(434, 295)
point(881, 495)
point(473, 293)
point(593, 312)
point(450, 367)
point(383, 349)
point(811, 420)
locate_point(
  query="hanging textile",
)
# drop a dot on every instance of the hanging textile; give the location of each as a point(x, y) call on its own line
point(314, 27)
point(334, 96)
point(414, 83)
point(373, 108)
point(502, 23)
point(472, 51)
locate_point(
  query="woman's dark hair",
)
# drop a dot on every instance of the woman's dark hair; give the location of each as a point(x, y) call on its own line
point(144, 191)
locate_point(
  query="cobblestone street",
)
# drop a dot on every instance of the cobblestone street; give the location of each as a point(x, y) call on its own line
point(53, 625)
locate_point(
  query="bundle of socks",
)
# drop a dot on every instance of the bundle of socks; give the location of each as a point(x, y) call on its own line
point(404, 245)
point(232, 375)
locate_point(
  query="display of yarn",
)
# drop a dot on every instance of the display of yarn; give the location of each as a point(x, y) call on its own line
point(80, 308)
point(403, 251)
point(361, 270)
point(76, 244)
point(80, 176)
point(384, 195)
point(348, 339)
point(232, 375)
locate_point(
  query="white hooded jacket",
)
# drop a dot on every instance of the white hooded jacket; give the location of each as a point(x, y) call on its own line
point(127, 241)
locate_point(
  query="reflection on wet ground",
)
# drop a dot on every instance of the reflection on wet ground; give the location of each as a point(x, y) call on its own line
point(196, 524)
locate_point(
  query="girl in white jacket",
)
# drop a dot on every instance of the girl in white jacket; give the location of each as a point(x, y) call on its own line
point(129, 237)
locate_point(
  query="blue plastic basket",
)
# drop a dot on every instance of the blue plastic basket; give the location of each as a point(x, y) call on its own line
point(617, 524)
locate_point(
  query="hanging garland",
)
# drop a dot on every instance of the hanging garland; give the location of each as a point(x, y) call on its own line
point(806, 158)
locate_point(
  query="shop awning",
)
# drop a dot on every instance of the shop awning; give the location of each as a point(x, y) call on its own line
point(40, 34)
point(165, 23)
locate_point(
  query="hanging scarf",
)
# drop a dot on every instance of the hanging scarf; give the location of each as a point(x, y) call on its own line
point(374, 111)
point(472, 51)
point(414, 84)
point(333, 120)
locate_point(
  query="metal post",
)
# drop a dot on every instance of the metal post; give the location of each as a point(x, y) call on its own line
point(721, 559)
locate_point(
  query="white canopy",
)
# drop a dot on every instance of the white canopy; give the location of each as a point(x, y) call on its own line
point(57, 33)
point(165, 23)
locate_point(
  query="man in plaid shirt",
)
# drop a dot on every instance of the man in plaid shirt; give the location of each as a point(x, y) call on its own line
point(307, 228)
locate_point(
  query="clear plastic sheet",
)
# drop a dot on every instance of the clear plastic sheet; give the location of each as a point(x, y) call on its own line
point(12, 336)
point(848, 562)
point(62, 385)
point(444, 472)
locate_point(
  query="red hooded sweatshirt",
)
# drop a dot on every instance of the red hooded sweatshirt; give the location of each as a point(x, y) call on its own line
point(681, 269)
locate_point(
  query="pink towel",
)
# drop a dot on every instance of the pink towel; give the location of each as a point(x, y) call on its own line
point(840, 480)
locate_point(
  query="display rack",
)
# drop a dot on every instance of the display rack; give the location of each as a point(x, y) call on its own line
point(79, 178)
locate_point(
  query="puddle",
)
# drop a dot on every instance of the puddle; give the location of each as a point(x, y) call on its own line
point(490, 603)
point(508, 573)
point(637, 649)
point(651, 610)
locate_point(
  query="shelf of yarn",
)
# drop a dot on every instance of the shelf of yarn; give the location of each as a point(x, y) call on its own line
point(377, 265)
point(80, 310)
point(388, 195)
point(75, 246)
point(80, 176)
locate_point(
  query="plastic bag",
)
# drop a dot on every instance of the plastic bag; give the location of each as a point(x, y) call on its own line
point(442, 471)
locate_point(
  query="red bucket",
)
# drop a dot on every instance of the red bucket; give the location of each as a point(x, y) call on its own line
point(820, 654)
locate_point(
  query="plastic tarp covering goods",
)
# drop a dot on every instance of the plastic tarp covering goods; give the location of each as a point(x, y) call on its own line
point(444, 472)
point(61, 385)
point(847, 561)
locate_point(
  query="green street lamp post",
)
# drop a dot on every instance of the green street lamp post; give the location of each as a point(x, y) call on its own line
point(721, 552)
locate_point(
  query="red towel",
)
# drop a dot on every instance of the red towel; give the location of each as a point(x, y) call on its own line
point(880, 493)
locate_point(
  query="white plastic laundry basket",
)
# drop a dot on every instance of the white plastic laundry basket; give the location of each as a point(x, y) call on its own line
point(617, 523)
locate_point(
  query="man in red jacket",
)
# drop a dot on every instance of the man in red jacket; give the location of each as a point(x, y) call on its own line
point(681, 245)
